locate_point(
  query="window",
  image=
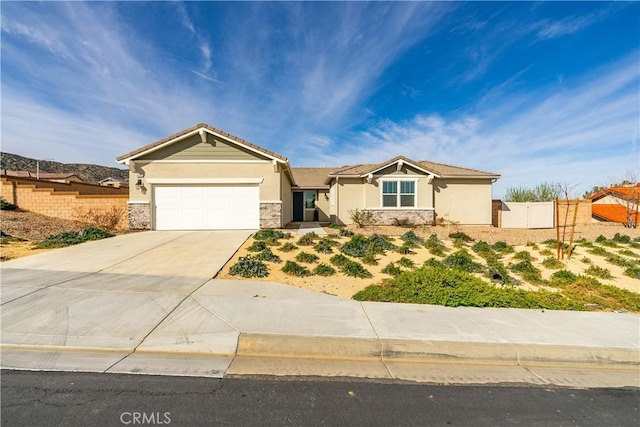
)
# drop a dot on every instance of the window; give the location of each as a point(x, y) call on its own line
point(309, 199)
point(396, 194)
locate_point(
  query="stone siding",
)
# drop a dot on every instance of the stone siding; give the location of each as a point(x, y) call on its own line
point(270, 215)
point(139, 216)
point(415, 216)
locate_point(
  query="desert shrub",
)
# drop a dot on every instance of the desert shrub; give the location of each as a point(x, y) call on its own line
point(345, 232)
point(460, 235)
point(268, 234)
point(599, 272)
point(458, 244)
point(634, 245)
point(370, 259)
point(629, 253)
point(257, 246)
point(562, 277)
point(586, 260)
point(361, 218)
point(550, 243)
point(358, 246)
point(380, 243)
point(307, 257)
point(633, 272)
point(403, 222)
point(601, 239)
point(336, 226)
point(248, 267)
point(288, 247)
point(496, 271)
point(406, 262)
point(308, 239)
point(528, 271)
point(462, 260)
point(272, 242)
point(411, 236)
point(405, 249)
point(434, 245)
point(323, 269)
point(621, 238)
point(339, 260)
point(295, 269)
point(482, 248)
point(323, 247)
point(267, 255)
point(442, 286)
point(355, 269)
point(391, 269)
point(109, 219)
point(552, 263)
point(609, 243)
point(546, 252)
point(6, 206)
point(69, 238)
point(502, 247)
point(523, 256)
point(599, 251)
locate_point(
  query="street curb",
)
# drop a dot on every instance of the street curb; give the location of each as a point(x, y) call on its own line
point(428, 351)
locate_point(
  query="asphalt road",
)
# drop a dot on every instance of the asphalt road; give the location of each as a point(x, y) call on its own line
point(83, 399)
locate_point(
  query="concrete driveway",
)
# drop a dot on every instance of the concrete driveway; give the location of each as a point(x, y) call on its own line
point(112, 295)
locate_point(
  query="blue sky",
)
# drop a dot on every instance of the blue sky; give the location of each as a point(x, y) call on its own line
point(534, 91)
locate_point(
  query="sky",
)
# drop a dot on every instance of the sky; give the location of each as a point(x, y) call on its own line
point(538, 92)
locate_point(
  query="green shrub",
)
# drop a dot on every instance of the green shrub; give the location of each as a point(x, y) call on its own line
point(370, 259)
point(528, 271)
point(336, 226)
point(69, 238)
point(357, 247)
point(482, 248)
point(523, 256)
point(546, 252)
point(391, 269)
point(411, 236)
point(633, 272)
point(496, 271)
point(288, 247)
point(609, 243)
point(460, 235)
point(599, 272)
point(380, 243)
point(629, 253)
point(562, 278)
point(339, 260)
point(437, 250)
point(601, 239)
point(405, 249)
point(355, 269)
point(552, 263)
point(458, 243)
point(6, 206)
point(268, 234)
point(248, 267)
point(308, 239)
point(502, 247)
point(307, 257)
point(434, 245)
point(586, 260)
point(295, 269)
point(345, 232)
point(634, 245)
point(462, 260)
point(323, 247)
point(257, 246)
point(442, 286)
point(323, 269)
point(267, 255)
point(406, 262)
point(361, 218)
point(550, 243)
point(272, 242)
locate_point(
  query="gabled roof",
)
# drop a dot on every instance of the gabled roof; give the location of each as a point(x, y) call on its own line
point(311, 177)
point(613, 213)
point(43, 175)
point(627, 192)
point(193, 130)
point(440, 170)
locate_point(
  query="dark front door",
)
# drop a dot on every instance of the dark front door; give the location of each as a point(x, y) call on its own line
point(298, 206)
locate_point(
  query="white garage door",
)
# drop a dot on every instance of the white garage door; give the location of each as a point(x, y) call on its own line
point(207, 207)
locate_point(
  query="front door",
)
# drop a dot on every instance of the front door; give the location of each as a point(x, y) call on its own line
point(298, 206)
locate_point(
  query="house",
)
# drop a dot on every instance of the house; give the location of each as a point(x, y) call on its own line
point(616, 204)
point(111, 182)
point(64, 177)
point(205, 178)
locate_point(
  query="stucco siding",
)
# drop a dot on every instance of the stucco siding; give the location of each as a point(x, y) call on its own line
point(192, 148)
point(287, 199)
point(323, 204)
point(349, 196)
point(269, 188)
point(463, 200)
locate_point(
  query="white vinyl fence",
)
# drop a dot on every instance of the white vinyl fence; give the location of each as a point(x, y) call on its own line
point(528, 215)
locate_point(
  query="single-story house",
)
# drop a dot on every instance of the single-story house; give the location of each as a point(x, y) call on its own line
point(111, 182)
point(616, 204)
point(64, 177)
point(205, 178)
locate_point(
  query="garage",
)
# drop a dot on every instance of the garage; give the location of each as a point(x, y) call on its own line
point(207, 207)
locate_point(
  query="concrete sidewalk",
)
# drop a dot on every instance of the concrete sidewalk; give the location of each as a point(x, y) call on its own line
point(247, 328)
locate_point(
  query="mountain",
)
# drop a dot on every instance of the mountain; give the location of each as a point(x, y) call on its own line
point(88, 173)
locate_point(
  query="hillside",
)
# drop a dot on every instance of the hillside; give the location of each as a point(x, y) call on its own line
point(88, 173)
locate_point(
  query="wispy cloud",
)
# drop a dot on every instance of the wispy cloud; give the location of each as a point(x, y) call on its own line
point(571, 25)
point(581, 134)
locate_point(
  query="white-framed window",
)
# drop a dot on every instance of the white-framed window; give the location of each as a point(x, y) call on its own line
point(398, 194)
